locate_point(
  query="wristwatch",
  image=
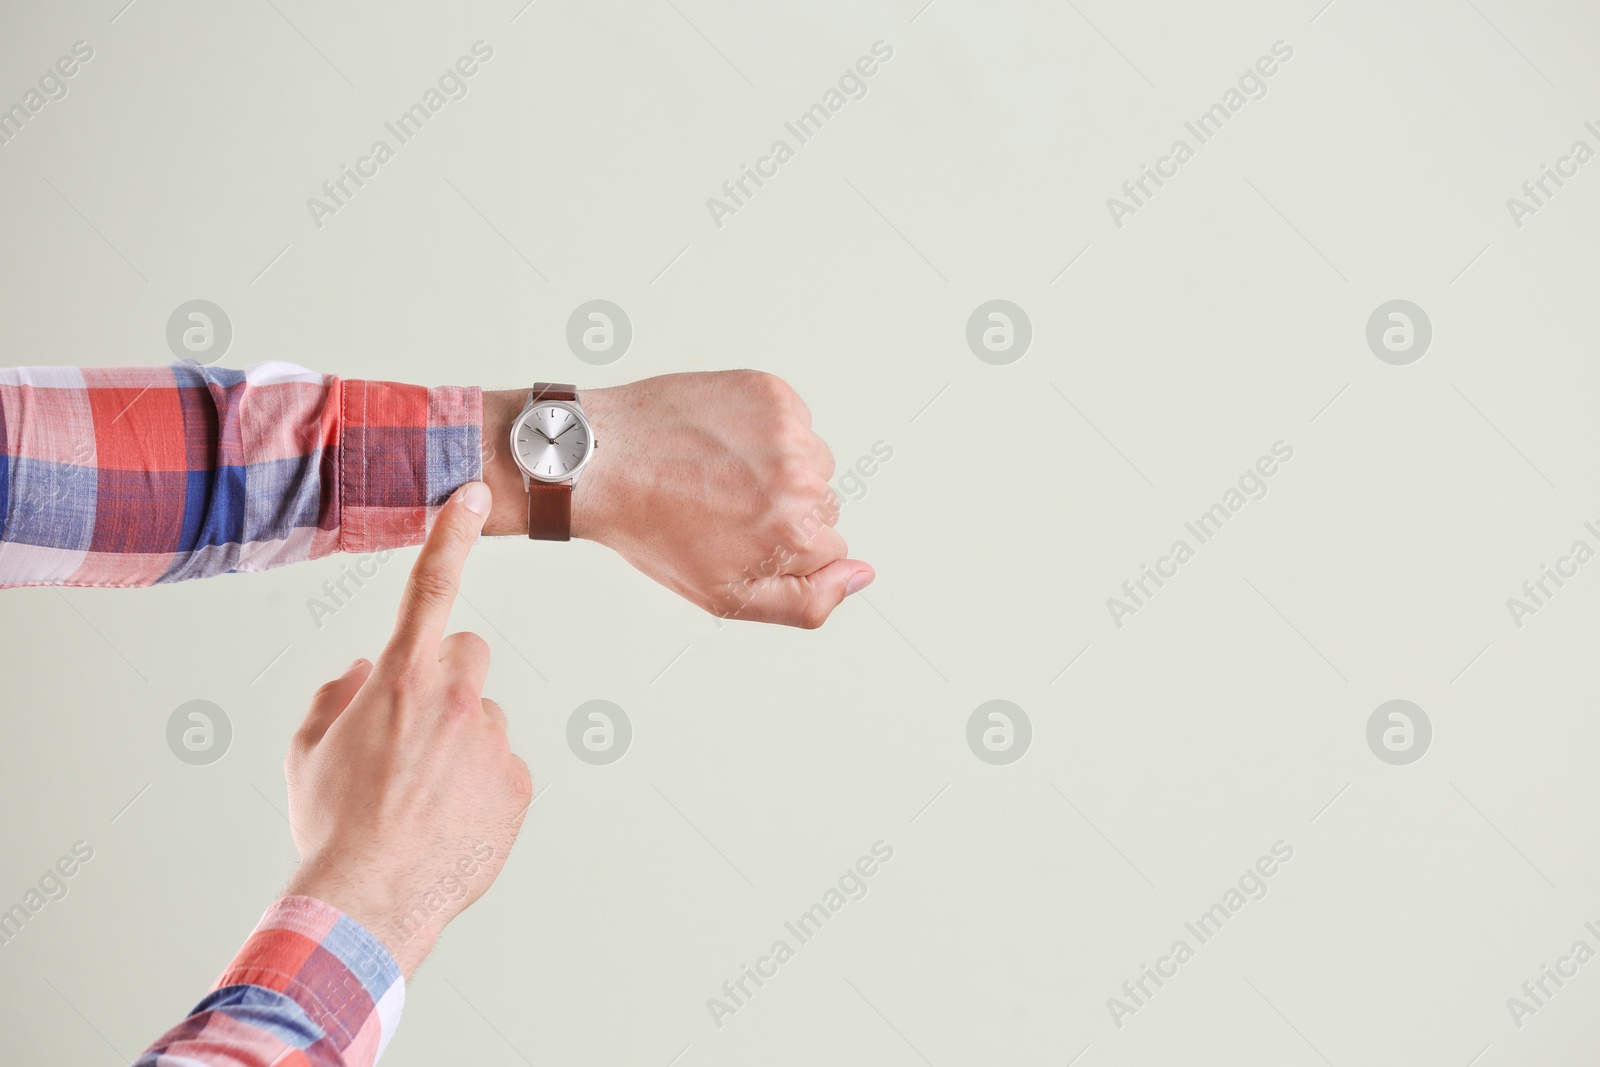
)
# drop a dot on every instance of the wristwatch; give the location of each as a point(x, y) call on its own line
point(551, 441)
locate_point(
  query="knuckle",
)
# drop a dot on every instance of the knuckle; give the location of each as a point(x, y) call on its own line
point(458, 529)
point(463, 698)
point(432, 586)
point(769, 386)
point(795, 475)
point(797, 437)
point(520, 782)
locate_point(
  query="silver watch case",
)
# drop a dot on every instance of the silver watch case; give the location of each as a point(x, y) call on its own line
point(588, 432)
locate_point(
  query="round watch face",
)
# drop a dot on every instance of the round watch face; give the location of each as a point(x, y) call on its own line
point(551, 441)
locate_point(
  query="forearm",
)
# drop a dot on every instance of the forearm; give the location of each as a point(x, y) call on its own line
point(133, 476)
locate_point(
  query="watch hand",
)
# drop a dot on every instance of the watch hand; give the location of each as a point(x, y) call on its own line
point(542, 434)
point(563, 433)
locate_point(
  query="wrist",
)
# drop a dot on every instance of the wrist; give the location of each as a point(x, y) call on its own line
point(593, 512)
point(591, 497)
point(372, 905)
point(509, 512)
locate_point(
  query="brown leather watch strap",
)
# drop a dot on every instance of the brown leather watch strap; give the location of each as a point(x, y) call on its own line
point(550, 391)
point(550, 511)
point(550, 503)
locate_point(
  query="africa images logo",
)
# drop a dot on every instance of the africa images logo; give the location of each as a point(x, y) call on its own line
point(1252, 85)
point(852, 85)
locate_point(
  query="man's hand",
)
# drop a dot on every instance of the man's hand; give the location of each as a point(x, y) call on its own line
point(404, 795)
point(711, 483)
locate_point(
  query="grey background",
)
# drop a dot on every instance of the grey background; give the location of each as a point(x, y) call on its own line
point(1167, 755)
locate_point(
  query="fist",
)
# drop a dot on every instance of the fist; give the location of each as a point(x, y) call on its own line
point(715, 485)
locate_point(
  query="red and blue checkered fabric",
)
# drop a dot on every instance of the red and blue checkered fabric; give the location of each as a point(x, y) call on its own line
point(138, 475)
point(310, 987)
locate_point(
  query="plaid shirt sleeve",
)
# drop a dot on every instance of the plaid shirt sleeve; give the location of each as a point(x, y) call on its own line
point(311, 988)
point(137, 475)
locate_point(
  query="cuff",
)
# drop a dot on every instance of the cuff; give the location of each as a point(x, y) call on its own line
point(316, 980)
point(403, 449)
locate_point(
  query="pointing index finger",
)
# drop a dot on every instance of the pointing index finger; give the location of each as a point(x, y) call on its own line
point(431, 589)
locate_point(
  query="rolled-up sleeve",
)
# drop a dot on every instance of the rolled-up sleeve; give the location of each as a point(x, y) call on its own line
point(141, 475)
point(311, 986)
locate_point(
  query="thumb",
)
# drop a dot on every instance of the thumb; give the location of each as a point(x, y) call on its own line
point(806, 600)
point(329, 702)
